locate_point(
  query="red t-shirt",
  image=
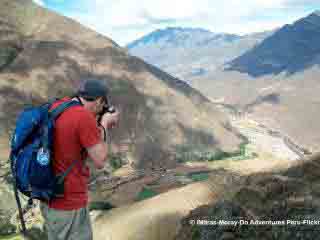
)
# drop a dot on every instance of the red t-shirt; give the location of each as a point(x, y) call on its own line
point(76, 128)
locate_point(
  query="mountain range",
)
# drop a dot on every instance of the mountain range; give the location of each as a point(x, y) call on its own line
point(272, 78)
point(191, 52)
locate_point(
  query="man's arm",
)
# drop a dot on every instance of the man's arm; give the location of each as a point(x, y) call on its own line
point(91, 137)
point(98, 152)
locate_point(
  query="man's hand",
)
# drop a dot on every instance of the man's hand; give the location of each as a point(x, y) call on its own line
point(99, 152)
point(110, 120)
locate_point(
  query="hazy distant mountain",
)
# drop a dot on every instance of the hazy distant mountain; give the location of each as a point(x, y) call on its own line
point(292, 48)
point(191, 52)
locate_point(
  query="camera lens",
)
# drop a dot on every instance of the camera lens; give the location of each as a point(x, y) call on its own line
point(111, 109)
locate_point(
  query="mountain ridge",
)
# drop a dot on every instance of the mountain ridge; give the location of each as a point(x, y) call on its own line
point(290, 49)
point(171, 31)
point(188, 53)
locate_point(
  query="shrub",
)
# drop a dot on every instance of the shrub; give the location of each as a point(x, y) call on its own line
point(199, 176)
point(116, 160)
point(7, 55)
point(100, 206)
point(6, 227)
point(146, 193)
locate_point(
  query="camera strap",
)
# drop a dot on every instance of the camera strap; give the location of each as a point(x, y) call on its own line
point(104, 132)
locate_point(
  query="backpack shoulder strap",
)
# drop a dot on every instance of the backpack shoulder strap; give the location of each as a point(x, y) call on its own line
point(62, 107)
point(55, 114)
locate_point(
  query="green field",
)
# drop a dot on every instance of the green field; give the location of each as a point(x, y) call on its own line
point(146, 193)
point(187, 154)
point(199, 176)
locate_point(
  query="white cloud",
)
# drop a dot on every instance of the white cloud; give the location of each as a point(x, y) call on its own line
point(126, 20)
point(250, 27)
point(39, 2)
point(125, 12)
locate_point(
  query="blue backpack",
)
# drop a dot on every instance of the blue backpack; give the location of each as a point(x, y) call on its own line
point(31, 154)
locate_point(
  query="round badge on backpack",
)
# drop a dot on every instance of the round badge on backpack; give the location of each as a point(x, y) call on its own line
point(43, 157)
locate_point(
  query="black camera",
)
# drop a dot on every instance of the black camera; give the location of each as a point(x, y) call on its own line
point(106, 109)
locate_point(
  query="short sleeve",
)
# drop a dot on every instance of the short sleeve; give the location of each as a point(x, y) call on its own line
point(89, 132)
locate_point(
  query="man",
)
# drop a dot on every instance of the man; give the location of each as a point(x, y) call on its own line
point(77, 135)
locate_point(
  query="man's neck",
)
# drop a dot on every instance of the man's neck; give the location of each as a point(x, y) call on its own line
point(83, 103)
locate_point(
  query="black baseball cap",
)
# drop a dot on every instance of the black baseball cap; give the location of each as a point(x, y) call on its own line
point(93, 88)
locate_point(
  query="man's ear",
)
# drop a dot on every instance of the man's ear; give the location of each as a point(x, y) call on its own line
point(99, 100)
point(104, 100)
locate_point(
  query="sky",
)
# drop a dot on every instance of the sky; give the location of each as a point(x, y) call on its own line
point(127, 20)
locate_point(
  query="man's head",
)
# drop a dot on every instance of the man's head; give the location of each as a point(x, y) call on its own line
point(94, 95)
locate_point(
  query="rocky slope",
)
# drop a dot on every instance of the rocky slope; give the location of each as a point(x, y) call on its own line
point(288, 199)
